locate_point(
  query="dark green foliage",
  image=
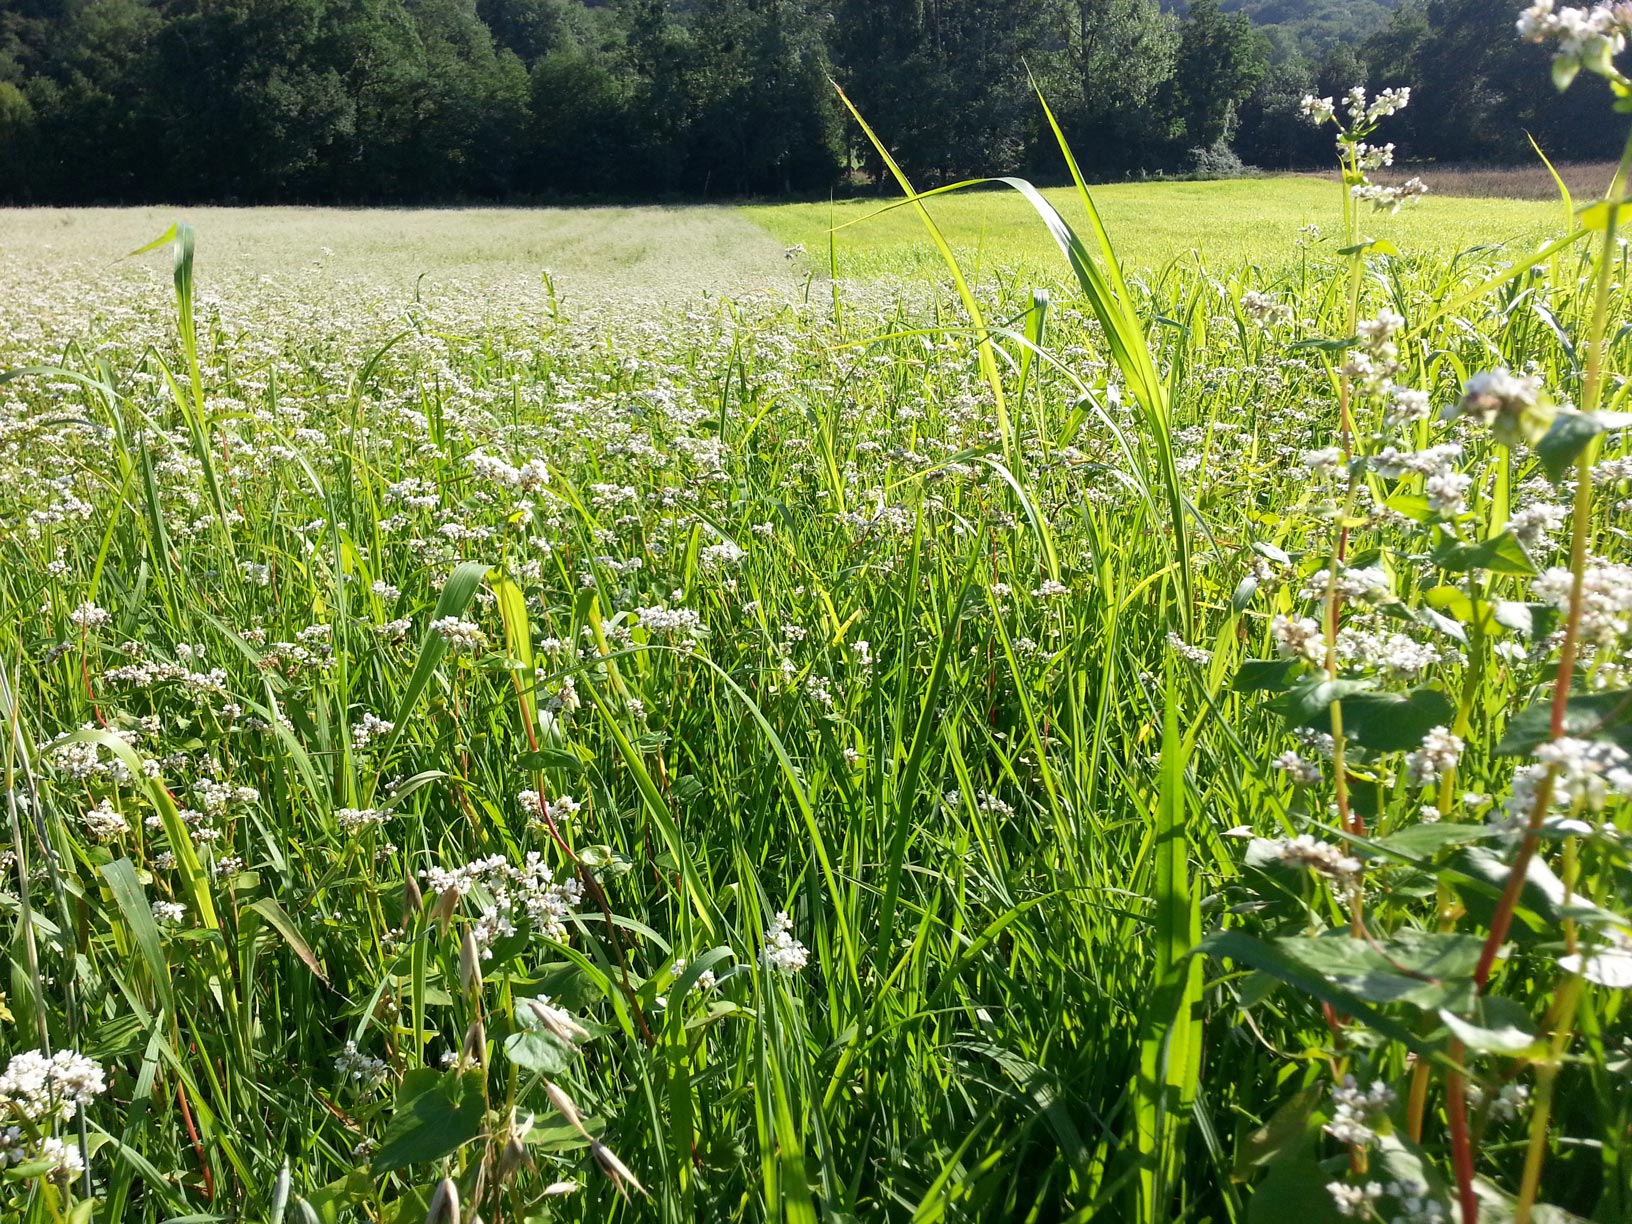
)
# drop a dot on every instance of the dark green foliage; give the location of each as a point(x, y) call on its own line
point(379, 101)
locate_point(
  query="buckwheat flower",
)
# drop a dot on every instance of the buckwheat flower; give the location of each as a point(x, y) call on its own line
point(1438, 754)
point(1534, 524)
point(103, 823)
point(1387, 103)
point(88, 616)
point(1355, 1110)
point(1051, 588)
point(396, 630)
point(1405, 406)
point(256, 574)
point(371, 728)
point(1323, 462)
point(722, 555)
point(1509, 1102)
point(1606, 599)
point(359, 1068)
point(1320, 857)
point(462, 636)
point(1447, 492)
point(676, 622)
point(354, 820)
point(41, 1088)
point(1589, 771)
point(863, 651)
point(1512, 406)
point(1302, 772)
point(67, 1162)
point(1413, 1203)
point(1318, 110)
point(1389, 198)
point(1199, 655)
point(783, 952)
point(1298, 638)
point(1354, 1201)
point(168, 913)
point(385, 591)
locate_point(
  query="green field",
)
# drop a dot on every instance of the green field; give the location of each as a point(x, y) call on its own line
point(573, 715)
point(1221, 224)
point(608, 256)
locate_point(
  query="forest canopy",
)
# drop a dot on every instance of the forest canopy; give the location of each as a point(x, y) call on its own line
point(381, 101)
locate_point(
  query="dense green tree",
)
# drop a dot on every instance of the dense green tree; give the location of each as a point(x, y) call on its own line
point(1113, 57)
point(1220, 59)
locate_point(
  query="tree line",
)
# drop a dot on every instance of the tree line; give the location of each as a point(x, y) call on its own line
point(385, 101)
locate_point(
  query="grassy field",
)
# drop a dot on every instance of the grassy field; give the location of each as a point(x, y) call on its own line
point(654, 743)
point(626, 256)
point(1223, 224)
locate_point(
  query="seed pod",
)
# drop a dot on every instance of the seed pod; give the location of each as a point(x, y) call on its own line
point(412, 901)
point(446, 903)
point(475, 1043)
point(470, 963)
point(615, 1168)
point(444, 1208)
point(564, 1106)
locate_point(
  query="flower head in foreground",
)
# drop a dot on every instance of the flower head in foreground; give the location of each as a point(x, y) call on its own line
point(783, 952)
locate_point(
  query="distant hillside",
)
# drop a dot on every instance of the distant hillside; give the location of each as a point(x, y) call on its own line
point(1314, 26)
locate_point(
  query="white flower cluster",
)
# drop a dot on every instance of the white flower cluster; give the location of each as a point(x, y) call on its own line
point(1318, 856)
point(1355, 1110)
point(530, 477)
point(562, 807)
point(103, 823)
point(371, 728)
point(783, 952)
point(359, 1068)
point(41, 1088)
point(1606, 600)
point(1589, 771)
point(1298, 637)
point(677, 622)
point(462, 636)
point(1585, 37)
point(354, 820)
point(527, 893)
point(1383, 196)
point(1437, 755)
point(1354, 1202)
point(88, 616)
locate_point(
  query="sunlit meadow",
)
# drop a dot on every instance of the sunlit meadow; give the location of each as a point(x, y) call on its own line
point(1129, 747)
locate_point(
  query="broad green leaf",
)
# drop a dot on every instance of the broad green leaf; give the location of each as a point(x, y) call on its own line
point(1591, 716)
point(432, 1123)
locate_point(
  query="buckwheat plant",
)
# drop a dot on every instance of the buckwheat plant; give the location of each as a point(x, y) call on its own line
point(1463, 618)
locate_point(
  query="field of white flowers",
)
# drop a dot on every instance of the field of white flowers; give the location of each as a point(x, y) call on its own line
point(1130, 750)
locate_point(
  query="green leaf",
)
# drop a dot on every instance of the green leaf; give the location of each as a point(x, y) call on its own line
point(1295, 1190)
point(133, 904)
point(541, 1051)
point(1308, 703)
point(1500, 1027)
point(1570, 434)
point(1591, 716)
point(433, 1123)
point(1501, 554)
point(1279, 962)
point(269, 909)
point(1420, 842)
point(1383, 722)
point(1261, 675)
